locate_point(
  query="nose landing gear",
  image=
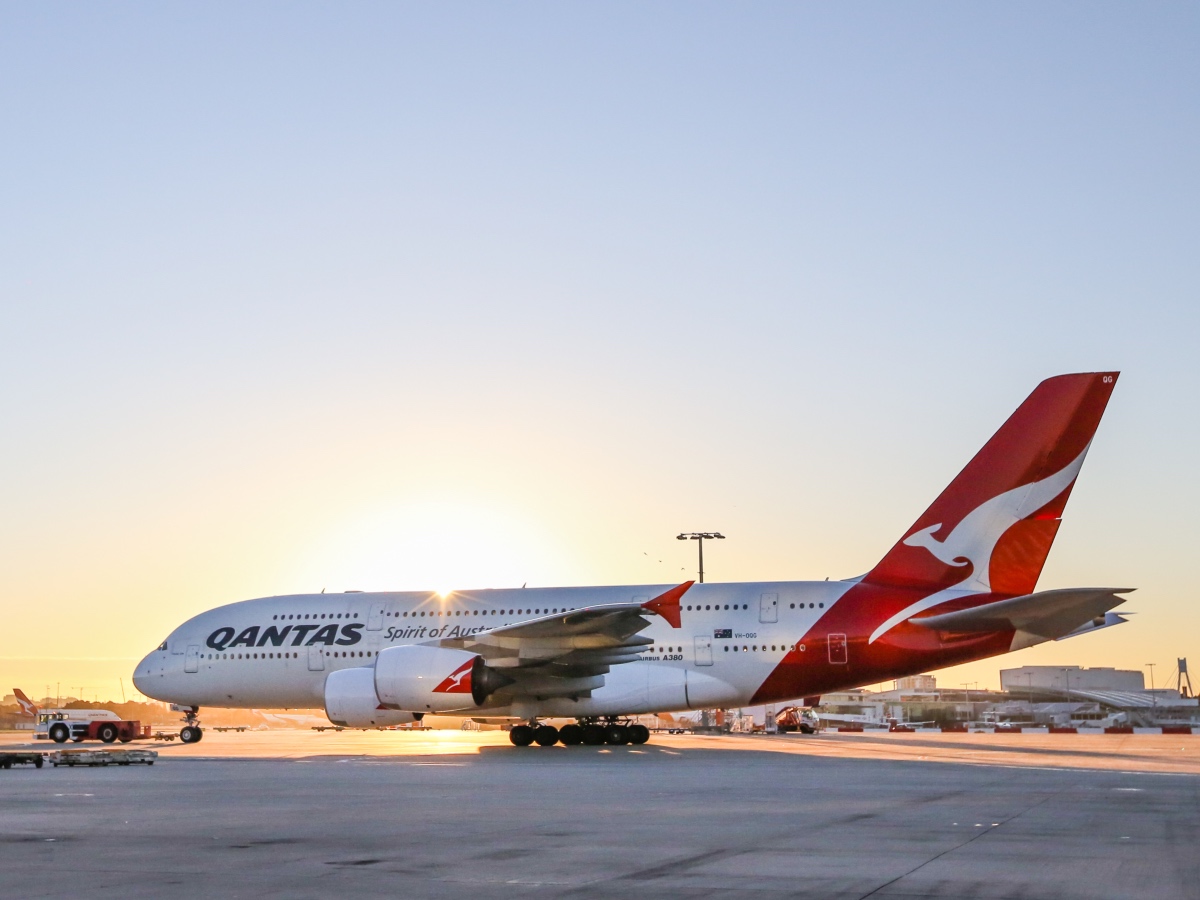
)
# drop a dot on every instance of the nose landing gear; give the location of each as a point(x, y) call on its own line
point(191, 733)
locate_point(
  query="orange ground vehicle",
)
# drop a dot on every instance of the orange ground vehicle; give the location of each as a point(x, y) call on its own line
point(797, 718)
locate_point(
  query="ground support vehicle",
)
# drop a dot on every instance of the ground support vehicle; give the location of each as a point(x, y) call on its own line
point(103, 757)
point(164, 735)
point(8, 760)
point(106, 731)
point(62, 725)
point(797, 718)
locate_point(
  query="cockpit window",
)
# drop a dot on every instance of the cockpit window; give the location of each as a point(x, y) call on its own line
point(162, 646)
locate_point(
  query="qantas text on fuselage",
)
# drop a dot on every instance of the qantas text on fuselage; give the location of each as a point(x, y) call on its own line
point(958, 585)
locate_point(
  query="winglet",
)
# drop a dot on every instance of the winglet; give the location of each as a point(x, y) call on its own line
point(667, 604)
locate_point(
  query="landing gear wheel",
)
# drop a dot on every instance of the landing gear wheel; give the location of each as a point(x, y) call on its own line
point(190, 734)
point(107, 733)
point(638, 734)
point(59, 733)
point(546, 735)
point(593, 735)
point(39, 762)
point(521, 735)
point(616, 734)
point(571, 735)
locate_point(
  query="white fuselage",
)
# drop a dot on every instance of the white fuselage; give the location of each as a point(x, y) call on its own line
point(278, 651)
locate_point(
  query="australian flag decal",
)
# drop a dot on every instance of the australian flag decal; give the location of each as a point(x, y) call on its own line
point(723, 633)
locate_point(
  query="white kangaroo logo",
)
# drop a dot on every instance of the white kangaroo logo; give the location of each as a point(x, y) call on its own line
point(454, 681)
point(974, 539)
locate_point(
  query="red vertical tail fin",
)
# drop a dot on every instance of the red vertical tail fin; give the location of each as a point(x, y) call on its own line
point(28, 708)
point(992, 528)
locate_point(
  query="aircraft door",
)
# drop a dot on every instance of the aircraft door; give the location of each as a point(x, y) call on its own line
point(316, 658)
point(191, 662)
point(768, 608)
point(703, 650)
point(375, 619)
point(838, 652)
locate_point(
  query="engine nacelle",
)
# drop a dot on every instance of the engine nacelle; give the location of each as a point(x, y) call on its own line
point(350, 700)
point(424, 679)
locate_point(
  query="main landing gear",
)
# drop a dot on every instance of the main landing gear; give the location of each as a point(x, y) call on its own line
point(191, 733)
point(589, 731)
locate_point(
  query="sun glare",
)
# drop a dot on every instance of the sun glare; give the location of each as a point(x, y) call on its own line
point(430, 544)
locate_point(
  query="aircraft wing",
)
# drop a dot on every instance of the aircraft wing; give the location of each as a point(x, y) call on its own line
point(1047, 614)
point(579, 644)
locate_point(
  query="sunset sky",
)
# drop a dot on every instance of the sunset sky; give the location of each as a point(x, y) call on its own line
point(407, 296)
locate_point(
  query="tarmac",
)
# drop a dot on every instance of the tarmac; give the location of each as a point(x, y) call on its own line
point(465, 814)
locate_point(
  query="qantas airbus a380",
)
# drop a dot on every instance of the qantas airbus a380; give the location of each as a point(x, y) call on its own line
point(958, 586)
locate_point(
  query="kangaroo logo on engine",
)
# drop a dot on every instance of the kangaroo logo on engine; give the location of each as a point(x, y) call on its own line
point(458, 681)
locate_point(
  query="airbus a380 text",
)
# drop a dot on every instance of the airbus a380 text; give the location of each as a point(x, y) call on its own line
point(958, 586)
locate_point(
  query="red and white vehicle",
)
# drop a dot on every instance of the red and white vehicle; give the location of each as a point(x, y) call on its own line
point(62, 725)
point(959, 585)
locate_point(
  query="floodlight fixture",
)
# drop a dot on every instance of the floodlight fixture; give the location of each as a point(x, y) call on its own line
point(700, 537)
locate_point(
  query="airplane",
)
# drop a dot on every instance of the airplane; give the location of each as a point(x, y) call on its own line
point(27, 706)
point(958, 586)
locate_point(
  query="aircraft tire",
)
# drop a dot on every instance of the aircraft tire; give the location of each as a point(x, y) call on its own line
point(571, 735)
point(593, 735)
point(616, 734)
point(521, 735)
point(190, 734)
point(638, 734)
point(545, 735)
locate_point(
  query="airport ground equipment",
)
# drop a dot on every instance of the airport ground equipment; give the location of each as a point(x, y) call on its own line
point(8, 760)
point(105, 730)
point(62, 725)
point(797, 718)
point(103, 757)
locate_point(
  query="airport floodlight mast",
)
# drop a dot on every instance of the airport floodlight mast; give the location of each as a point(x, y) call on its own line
point(700, 537)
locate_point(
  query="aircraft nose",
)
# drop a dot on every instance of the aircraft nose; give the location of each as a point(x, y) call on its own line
point(140, 675)
point(143, 673)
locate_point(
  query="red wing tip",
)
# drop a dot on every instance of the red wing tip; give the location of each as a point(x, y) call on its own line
point(666, 604)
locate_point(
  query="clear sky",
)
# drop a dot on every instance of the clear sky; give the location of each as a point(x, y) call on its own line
point(406, 296)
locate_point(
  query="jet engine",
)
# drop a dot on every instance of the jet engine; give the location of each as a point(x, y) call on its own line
point(424, 679)
point(350, 700)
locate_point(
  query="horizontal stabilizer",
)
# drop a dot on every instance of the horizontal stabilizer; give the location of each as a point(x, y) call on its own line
point(1047, 614)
